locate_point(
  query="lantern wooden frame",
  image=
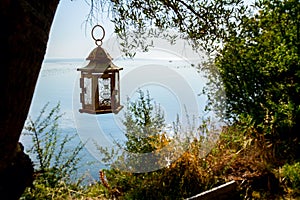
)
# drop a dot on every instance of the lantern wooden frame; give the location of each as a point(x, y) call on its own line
point(100, 84)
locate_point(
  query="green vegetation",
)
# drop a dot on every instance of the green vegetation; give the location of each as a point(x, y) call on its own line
point(55, 160)
point(179, 178)
point(259, 68)
point(290, 176)
point(206, 24)
point(143, 122)
point(241, 154)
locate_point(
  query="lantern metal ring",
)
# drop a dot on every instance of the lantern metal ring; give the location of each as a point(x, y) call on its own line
point(98, 41)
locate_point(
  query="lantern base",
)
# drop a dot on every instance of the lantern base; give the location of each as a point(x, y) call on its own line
point(102, 111)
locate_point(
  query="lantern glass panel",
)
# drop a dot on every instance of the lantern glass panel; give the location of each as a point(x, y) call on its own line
point(116, 89)
point(87, 90)
point(104, 91)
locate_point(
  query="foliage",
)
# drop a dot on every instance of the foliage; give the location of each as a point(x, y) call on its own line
point(241, 153)
point(292, 175)
point(205, 24)
point(259, 69)
point(182, 177)
point(143, 122)
point(55, 162)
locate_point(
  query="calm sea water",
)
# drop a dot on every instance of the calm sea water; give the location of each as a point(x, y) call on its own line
point(173, 84)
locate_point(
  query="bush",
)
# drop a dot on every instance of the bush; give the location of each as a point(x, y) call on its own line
point(292, 174)
point(186, 176)
point(55, 163)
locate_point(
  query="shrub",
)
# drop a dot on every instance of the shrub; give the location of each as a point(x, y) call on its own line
point(185, 177)
point(292, 173)
point(55, 162)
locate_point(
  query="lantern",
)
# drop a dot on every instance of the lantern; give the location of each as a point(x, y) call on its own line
point(99, 82)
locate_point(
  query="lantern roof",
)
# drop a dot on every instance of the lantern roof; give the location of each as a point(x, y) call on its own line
point(99, 54)
point(100, 62)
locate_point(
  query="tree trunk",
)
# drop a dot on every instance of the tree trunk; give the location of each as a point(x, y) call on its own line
point(25, 26)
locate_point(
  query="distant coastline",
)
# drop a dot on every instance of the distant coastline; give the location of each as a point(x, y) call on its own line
point(63, 60)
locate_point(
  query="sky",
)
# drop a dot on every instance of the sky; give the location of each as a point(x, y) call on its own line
point(69, 37)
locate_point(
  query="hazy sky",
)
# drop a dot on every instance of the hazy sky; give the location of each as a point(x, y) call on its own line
point(69, 37)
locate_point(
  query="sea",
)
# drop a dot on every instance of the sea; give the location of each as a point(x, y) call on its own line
point(174, 85)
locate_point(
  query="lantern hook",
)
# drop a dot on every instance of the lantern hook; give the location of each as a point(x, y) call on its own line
point(98, 41)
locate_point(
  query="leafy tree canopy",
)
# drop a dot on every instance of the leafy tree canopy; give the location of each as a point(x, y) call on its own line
point(260, 68)
point(206, 24)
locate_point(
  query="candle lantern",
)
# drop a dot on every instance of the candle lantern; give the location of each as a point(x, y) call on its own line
point(99, 82)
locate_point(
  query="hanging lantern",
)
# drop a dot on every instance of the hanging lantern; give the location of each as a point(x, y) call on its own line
point(100, 82)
